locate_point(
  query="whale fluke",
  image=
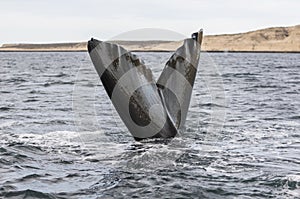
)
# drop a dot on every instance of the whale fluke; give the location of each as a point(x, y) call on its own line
point(148, 108)
point(177, 79)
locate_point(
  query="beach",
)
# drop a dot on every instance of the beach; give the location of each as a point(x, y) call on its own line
point(276, 39)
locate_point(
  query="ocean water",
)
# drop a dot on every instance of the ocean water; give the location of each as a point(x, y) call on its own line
point(60, 137)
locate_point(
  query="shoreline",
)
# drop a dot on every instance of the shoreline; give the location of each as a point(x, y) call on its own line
point(268, 40)
point(153, 51)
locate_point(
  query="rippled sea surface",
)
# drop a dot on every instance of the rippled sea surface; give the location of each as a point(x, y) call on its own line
point(60, 137)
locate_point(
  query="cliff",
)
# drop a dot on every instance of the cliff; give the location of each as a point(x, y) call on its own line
point(279, 39)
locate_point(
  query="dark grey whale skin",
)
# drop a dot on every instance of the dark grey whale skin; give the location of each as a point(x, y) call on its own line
point(141, 100)
point(177, 79)
point(133, 91)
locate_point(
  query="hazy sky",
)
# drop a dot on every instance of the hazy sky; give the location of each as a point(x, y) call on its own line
point(77, 20)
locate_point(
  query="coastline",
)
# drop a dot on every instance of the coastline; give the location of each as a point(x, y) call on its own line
point(269, 40)
point(154, 51)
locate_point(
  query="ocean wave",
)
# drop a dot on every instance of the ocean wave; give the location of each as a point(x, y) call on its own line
point(32, 194)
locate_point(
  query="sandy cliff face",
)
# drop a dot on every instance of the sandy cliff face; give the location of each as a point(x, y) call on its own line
point(271, 39)
point(280, 39)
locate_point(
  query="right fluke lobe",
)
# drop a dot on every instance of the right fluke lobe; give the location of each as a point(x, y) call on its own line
point(92, 44)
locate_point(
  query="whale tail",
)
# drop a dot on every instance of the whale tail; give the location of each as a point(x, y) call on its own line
point(148, 108)
point(177, 79)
